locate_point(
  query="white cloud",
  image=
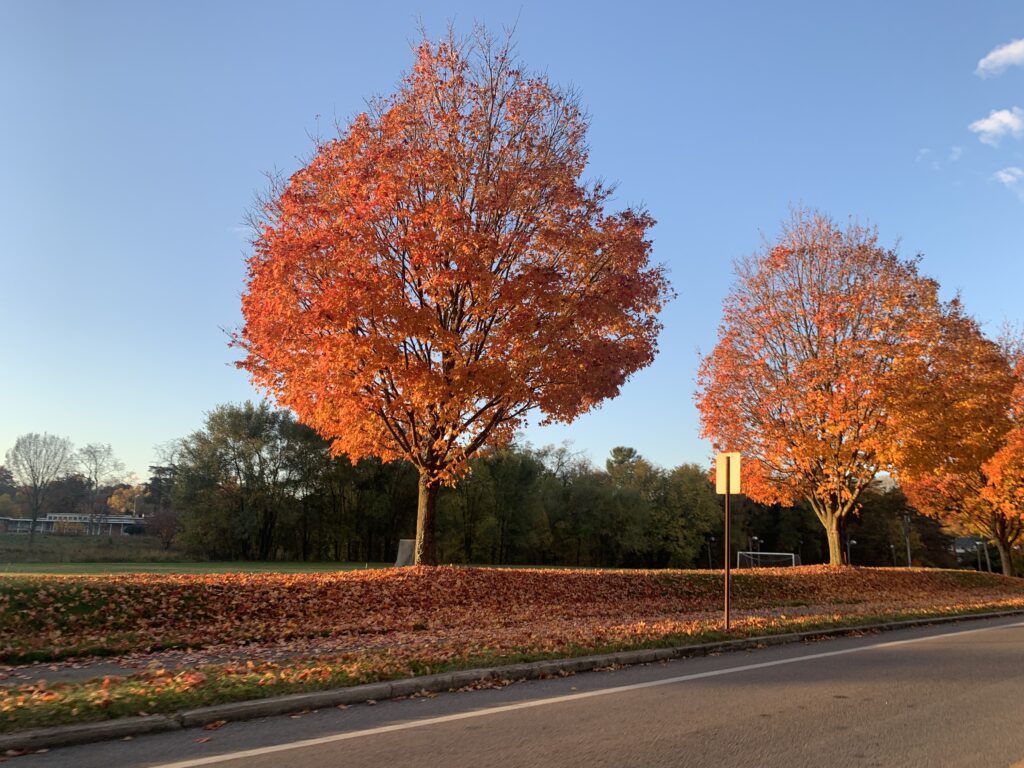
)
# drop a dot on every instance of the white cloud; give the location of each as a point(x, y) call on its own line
point(999, 123)
point(1012, 178)
point(933, 159)
point(1001, 58)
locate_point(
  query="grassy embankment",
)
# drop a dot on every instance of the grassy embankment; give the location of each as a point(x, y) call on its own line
point(273, 633)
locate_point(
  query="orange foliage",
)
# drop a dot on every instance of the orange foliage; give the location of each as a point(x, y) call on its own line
point(438, 270)
point(820, 336)
point(1005, 472)
point(963, 466)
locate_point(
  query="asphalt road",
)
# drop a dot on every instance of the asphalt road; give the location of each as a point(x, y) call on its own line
point(943, 696)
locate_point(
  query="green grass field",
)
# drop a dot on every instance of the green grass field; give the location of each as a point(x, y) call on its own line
point(99, 555)
point(47, 548)
point(107, 569)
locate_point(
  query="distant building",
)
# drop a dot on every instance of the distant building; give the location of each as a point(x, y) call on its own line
point(884, 483)
point(73, 523)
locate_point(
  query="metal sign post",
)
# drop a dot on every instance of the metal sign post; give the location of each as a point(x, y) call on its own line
point(728, 538)
point(727, 481)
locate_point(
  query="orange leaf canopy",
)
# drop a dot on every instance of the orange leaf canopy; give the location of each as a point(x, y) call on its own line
point(1005, 473)
point(820, 335)
point(965, 459)
point(438, 269)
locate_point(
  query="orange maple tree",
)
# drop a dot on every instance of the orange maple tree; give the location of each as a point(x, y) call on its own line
point(439, 269)
point(960, 451)
point(1004, 471)
point(821, 334)
point(1004, 491)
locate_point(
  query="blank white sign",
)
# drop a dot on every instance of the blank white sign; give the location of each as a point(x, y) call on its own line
point(734, 473)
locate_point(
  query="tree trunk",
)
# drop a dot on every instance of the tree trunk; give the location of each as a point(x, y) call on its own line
point(426, 521)
point(830, 515)
point(835, 544)
point(1005, 557)
point(35, 508)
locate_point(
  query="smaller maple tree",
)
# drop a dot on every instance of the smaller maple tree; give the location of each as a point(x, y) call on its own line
point(821, 338)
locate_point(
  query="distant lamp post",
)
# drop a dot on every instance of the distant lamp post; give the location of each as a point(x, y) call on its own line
point(906, 534)
point(711, 544)
point(977, 551)
point(849, 556)
point(892, 548)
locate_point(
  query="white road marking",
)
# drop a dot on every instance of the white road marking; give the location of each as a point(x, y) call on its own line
point(257, 752)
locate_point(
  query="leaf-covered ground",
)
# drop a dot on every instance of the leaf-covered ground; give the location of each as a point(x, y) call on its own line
point(185, 640)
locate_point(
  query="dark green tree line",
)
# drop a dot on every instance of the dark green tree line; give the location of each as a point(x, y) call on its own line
point(255, 484)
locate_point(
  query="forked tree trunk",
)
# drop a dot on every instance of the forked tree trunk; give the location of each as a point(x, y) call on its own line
point(830, 515)
point(426, 521)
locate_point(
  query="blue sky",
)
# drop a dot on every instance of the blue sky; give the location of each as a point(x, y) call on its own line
point(133, 136)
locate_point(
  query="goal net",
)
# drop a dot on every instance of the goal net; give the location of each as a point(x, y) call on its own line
point(766, 559)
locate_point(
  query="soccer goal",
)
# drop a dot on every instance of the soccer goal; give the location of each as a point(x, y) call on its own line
point(766, 559)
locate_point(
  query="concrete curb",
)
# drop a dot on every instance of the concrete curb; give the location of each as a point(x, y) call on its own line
point(107, 730)
point(67, 735)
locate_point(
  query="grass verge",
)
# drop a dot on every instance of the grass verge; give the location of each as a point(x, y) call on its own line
point(162, 691)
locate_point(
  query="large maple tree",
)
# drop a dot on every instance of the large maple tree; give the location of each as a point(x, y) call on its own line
point(439, 269)
point(822, 334)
